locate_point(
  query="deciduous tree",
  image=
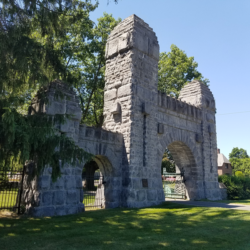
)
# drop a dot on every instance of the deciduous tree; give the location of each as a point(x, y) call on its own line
point(175, 69)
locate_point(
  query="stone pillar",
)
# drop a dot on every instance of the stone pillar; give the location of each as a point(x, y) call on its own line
point(41, 196)
point(132, 55)
point(198, 94)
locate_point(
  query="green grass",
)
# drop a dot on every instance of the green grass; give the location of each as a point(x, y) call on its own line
point(169, 226)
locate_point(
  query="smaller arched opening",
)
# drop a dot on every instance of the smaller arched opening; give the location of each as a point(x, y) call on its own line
point(97, 176)
point(179, 171)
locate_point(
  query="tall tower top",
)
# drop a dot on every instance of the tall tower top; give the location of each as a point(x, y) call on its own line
point(131, 33)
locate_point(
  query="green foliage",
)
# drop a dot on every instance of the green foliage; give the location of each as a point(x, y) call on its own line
point(241, 164)
point(175, 70)
point(237, 187)
point(168, 162)
point(238, 153)
point(30, 34)
point(35, 138)
point(92, 69)
point(239, 174)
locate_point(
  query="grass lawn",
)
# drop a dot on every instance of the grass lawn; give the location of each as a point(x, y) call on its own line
point(171, 226)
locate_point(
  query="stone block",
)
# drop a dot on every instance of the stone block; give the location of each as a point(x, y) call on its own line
point(116, 109)
point(124, 91)
point(54, 108)
point(44, 182)
point(89, 132)
point(131, 194)
point(78, 170)
point(112, 48)
point(71, 197)
point(110, 94)
point(67, 126)
point(69, 182)
point(137, 183)
point(60, 211)
point(141, 42)
point(75, 112)
point(72, 209)
point(78, 181)
point(59, 198)
point(154, 49)
point(66, 171)
point(98, 133)
point(58, 184)
point(47, 197)
point(35, 211)
point(141, 195)
point(151, 195)
point(48, 211)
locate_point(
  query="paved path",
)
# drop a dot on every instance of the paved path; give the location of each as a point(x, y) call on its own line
point(211, 204)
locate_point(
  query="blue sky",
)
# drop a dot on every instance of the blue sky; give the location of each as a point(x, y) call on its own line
point(217, 34)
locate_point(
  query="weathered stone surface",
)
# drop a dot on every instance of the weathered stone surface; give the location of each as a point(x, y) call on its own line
point(47, 198)
point(71, 197)
point(139, 123)
point(44, 182)
point(70, 182)
point(59, 198)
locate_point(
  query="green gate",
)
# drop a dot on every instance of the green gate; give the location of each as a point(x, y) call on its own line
point(173, 185)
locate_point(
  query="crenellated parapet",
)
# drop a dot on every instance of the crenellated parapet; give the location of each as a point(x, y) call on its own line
point(166, 102)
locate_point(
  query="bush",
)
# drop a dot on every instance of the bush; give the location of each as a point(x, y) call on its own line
point(239, 174)
point(238, 187)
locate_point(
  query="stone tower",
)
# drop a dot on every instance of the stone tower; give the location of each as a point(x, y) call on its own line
point(132, 54)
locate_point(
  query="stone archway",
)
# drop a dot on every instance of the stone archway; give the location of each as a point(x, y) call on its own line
point(108, 189)
point(185, 162)
point(187, 158)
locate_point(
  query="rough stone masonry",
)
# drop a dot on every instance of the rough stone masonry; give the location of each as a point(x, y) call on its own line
point(139, 123)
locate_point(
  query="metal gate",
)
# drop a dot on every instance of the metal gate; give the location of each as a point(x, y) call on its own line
point(11, 185)
point(93, 191)
point(173, 185)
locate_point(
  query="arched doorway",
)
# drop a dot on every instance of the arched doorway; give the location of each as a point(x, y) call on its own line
point(180, 178)
point(98, 184)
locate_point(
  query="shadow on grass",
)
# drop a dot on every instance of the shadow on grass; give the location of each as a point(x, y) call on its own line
point(170, 225)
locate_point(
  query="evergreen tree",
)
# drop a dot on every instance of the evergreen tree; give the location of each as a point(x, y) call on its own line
point(29, 60)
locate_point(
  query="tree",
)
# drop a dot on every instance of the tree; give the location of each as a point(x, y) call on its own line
point(238, 153)
point(29, 60)
point(175, 70)
point(240, 161)
point(168, 162)
point(91, 85)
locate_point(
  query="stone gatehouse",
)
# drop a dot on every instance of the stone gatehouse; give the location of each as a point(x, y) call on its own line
point(139, 123)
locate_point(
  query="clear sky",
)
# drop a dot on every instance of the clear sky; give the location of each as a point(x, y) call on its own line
point(217, 34)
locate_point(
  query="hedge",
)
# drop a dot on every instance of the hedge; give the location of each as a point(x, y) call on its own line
point(238, 187)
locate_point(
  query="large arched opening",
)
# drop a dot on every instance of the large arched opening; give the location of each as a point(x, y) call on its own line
point(181, 175)
point(97, 180)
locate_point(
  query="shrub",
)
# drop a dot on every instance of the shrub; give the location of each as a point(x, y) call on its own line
point(238, 187)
